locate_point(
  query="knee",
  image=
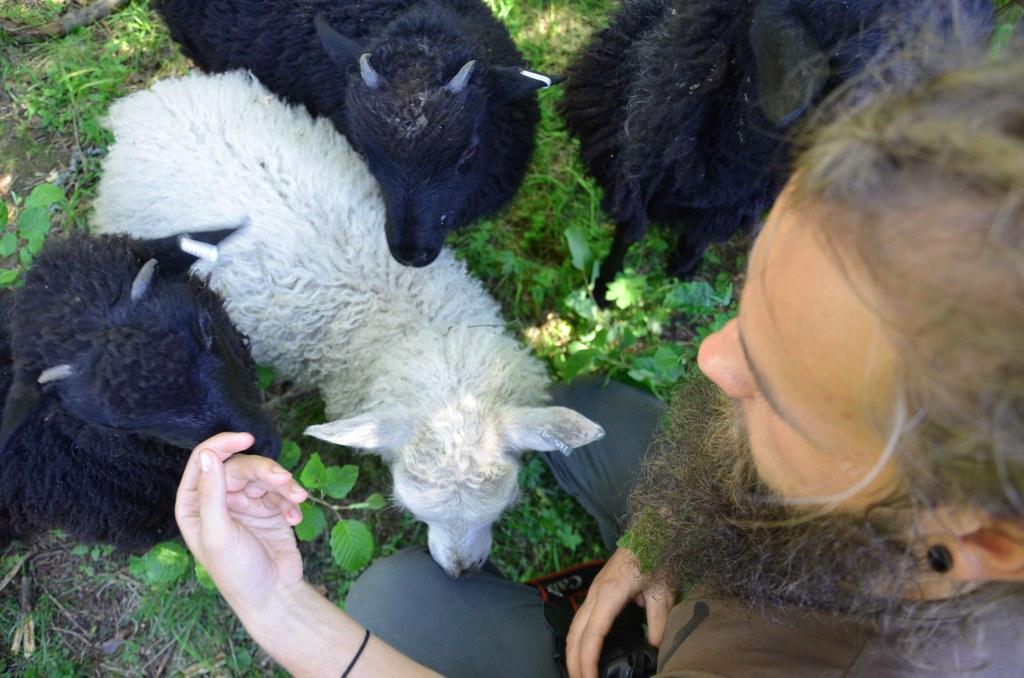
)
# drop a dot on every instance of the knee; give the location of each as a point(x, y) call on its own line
point(395, 571)
point(391, 579)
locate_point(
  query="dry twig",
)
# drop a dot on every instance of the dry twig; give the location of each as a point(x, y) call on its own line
point(61, 26)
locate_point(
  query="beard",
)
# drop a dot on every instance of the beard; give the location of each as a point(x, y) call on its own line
point(702, 516)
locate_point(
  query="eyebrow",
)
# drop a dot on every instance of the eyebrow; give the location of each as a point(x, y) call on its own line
point(765, 388)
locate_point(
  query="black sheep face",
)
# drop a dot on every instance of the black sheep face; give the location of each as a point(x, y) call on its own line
point(423, 146)
point(133, 344)
point(417, 109)
point(171, 366)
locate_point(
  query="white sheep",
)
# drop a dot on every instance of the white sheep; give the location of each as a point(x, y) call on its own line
point(413, 363)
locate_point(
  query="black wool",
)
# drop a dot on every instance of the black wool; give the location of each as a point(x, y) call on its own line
point(115, 364)
point(431, 92)
point(685, 109)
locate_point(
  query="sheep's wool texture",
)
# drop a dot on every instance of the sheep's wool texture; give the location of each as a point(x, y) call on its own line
point(444, 160)
point(310, 280)
point(91, 451)
point(667, 105)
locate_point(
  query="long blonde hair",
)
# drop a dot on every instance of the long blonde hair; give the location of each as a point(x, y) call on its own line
point(925, 190)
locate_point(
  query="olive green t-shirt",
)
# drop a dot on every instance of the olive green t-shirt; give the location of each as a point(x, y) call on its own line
point(715, 637)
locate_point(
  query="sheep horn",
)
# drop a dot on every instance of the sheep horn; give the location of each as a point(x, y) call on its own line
point(142, 279)
point(461, 79)
point(370, 76)
point(55, 373)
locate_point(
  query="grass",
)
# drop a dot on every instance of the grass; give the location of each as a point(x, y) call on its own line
point(96, 611)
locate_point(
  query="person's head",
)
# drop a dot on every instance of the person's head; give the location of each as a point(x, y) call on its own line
point(870, 392)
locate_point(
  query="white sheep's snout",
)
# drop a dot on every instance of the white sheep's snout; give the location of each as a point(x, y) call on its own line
point(459, 553)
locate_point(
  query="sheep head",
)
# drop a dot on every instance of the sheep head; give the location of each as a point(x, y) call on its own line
point(417, 109)
point(456, 469)
point(117, 331)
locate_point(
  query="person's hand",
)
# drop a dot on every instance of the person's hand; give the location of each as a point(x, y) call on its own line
point(613, 587)
point(236, 516)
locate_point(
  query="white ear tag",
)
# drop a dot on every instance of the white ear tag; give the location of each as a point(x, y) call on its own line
point(55, 374)
point(536, 76)
point(556, 443)
point(199, 249)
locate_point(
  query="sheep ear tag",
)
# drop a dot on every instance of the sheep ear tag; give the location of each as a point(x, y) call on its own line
point(24, 397)
point(176, 253)
point(343, 50)
point(791, 69)
point(549, 429)
point(511, 82)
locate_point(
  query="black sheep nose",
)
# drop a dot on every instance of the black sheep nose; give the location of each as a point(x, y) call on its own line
point(410, 256)
point(268, 447)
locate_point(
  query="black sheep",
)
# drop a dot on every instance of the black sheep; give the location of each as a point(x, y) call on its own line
point(433, 93)
point(115, 363)
point(683, 107)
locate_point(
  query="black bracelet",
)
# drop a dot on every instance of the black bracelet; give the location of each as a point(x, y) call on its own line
point(366, 639)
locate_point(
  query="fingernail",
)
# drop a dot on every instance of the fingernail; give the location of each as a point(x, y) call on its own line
point(205, 462)
point(296, 487)
point(280, 470)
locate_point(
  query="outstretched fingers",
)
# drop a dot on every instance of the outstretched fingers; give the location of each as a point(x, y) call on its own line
point(264, 511)
point(200, 505)
point(257, 476)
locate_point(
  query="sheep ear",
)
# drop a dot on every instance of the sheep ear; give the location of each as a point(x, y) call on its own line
point(23, 398)
point(342, 50)
point(368, 431)
point(177, 253)
point(547, 429)
point(791, 68)
point(511, 83)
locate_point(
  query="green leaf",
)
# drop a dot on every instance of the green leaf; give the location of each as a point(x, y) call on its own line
point(698, 294)
point(579, 248)
point(376, 501)
point(8, 276)
point(43, 196)
point(33, 223)
point(313, 522)
point(582, 304)
point(339, 480)
point(204, 579)
point(163, 564)
point(569, 537)
point(264, 376)
point(351, 545)
point(290, 454)
point(627, 289)
point(4, 215)
point(8, 244)
point(580, 361)
point(313, 473)
point(25, 257)
point(80, 550)
point(1004, 30)
point(662, 368)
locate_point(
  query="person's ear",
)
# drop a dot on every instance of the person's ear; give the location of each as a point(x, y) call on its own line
point(979, 549)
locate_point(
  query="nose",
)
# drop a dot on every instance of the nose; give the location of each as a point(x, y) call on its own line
point(413, 256)
point(721, 360)
point(268, 447)
point(461, 570)
point(257, 422)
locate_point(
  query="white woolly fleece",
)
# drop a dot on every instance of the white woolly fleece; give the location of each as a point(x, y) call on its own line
point(311, 280)
point(416, 359)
